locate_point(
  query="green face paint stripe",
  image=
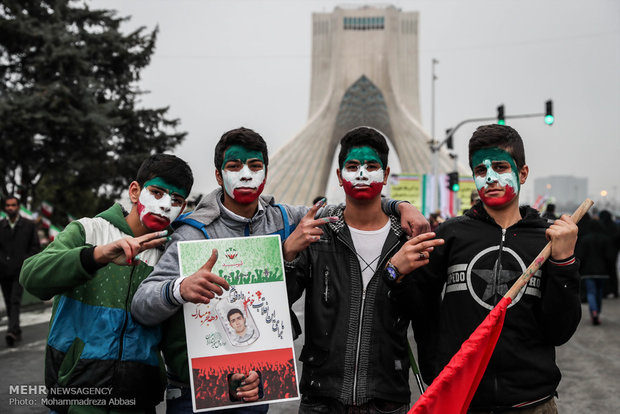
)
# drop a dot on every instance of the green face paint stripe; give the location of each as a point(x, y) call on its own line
point(240, 153)
point(362, 154)
point(159, 182)
point(493, 154)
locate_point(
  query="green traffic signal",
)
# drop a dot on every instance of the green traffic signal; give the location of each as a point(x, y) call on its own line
point(453, 181)
point(549, 119)
point(500, 115)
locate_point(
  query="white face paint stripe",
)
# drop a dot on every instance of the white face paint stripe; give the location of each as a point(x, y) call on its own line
point(361, 175)
point(491, 177)
point(251, 179)
point(162, 207)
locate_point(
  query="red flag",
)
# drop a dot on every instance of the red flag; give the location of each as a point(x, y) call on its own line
point(453, 389)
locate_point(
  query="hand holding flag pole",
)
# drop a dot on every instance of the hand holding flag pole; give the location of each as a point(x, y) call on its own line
point(544, 254)
point(455, 386)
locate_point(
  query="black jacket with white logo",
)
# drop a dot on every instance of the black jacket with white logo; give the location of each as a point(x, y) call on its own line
point(477, 265)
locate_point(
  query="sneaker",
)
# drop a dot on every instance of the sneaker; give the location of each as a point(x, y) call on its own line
point(595, 319)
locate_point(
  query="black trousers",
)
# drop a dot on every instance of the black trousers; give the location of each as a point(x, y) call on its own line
point(12, 292)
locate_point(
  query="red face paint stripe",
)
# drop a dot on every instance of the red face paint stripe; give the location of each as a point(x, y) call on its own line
point(363, 193)
point(247, 198)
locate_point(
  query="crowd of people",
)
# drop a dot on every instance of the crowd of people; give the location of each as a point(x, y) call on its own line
point(367, 269)
point(212, 385)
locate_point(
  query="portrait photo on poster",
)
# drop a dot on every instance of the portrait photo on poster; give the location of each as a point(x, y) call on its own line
point(238, 323)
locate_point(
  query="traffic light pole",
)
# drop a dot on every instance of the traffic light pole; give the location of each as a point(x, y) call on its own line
point(435, 147)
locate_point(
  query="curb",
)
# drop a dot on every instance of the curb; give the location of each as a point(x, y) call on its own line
point(24, 308)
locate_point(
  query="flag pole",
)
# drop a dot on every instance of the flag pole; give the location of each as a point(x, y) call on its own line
point(415, 369)
point(544, 254)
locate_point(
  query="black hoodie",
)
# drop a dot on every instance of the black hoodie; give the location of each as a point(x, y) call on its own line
point(478, 263)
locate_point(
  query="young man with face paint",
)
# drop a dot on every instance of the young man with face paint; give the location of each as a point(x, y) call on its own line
point(92, 269)
point(355, 352)
point(485, 251)
point(236, 209)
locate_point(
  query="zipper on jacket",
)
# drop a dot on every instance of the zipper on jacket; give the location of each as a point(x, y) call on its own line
point(361, 321)
point(357, 350)
point(496, 274)
point(126, 317)
point(497, 269)
point(326, 284)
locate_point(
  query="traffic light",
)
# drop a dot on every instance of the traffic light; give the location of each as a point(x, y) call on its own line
point(549, 119)
point(500, 115)
point(453, 181)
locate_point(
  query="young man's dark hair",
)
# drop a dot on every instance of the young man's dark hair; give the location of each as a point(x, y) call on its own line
point(500, 136)
point(170, 168)
point(244, 137)
point(364, 136)
point(232, 312)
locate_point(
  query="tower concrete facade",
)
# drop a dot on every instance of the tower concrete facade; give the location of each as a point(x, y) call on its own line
point(364, 73)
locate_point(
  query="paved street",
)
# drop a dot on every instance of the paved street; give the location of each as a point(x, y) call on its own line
point(590, 363)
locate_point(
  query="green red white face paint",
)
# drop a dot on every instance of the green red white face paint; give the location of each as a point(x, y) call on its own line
point(496, 176)
point(159, 204)
point(363, 181)
point(244, 178)
point(244, 186)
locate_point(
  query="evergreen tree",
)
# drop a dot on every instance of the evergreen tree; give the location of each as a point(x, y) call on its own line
point(71, 128)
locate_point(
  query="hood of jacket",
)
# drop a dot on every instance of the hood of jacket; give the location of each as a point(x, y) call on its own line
point(116, 215)
point(529, 216)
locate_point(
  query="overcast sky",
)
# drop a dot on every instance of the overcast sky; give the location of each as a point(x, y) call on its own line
point(221, 64)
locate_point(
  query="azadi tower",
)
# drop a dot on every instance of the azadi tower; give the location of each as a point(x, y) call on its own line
point(364, 72)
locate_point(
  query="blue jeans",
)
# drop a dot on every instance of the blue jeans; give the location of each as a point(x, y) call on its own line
point(594, 292)
point(183, 405)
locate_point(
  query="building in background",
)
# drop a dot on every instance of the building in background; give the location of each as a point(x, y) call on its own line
point(364, 73)
point(565, 191)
